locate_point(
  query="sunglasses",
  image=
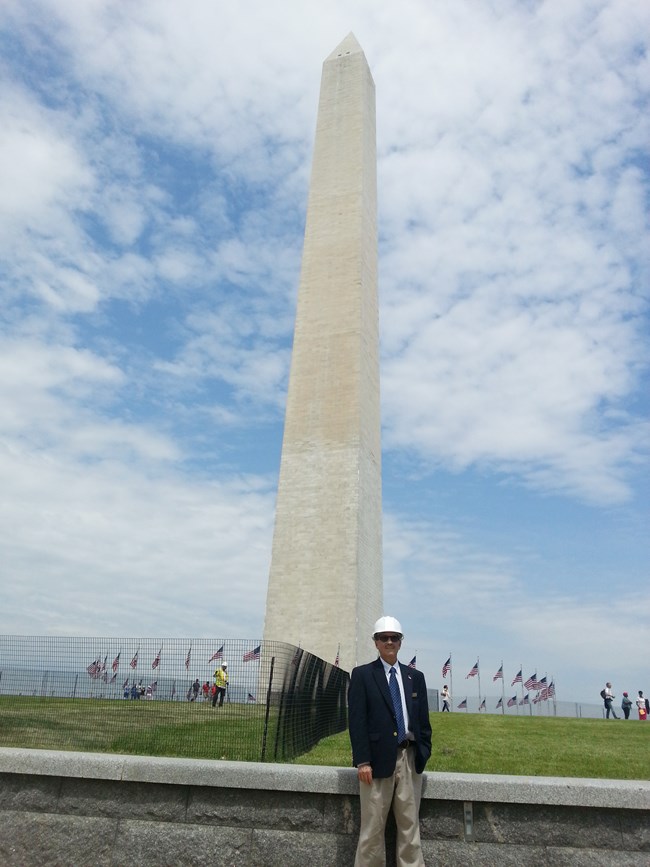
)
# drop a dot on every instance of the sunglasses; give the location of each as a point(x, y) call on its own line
point(386, 638)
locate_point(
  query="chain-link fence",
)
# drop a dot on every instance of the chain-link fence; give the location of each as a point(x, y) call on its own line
point(197, 698)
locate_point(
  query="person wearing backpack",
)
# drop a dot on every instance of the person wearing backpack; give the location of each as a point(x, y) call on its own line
point(608, 697)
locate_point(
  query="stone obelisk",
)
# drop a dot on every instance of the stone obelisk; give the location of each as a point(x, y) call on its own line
point(325, 586)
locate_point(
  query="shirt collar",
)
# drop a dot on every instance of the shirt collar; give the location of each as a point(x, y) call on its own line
point(388, 667)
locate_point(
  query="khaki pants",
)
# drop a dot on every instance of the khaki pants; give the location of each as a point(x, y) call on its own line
point(402, 791)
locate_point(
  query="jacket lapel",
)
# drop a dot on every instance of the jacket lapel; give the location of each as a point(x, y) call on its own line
point(380, 679)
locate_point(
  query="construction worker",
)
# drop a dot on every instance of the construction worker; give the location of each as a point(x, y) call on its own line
point(220, 683)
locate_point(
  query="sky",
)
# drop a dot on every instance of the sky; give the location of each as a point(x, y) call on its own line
point(154, 168)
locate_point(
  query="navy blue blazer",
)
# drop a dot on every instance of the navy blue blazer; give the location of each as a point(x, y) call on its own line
point(373, 728)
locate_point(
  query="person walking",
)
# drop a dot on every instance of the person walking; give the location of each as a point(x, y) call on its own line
point(608, 698)
point(640, 706)
point(390, 735)
point(445, 695)
point(626, 704)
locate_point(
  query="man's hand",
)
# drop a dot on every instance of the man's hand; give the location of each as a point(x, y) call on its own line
point(364, 772)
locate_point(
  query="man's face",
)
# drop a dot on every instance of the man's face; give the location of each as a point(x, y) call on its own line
point(388, 645)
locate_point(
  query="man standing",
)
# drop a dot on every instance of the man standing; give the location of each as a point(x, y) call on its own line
point(390, 734)
point(220, 683)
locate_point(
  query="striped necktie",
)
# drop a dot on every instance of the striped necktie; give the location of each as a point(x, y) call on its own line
point(397, 706)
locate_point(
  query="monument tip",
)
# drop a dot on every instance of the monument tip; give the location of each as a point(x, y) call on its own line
point(348, 46)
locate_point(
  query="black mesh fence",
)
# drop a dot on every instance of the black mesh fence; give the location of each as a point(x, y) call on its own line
point(168, 697)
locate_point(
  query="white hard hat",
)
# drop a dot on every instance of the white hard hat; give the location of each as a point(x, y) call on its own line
point(387, 624)
point(224, 665)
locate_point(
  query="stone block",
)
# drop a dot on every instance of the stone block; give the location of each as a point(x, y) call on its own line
point(635, 827)
point(441, 820)
point(49, 840)
point(564, 857)
point(459, 854)
point(342, 814)
point(296, 849)
point(546, 825)
point(250, 809)
point(123, 800)
point(29, 792)
point(159, 844)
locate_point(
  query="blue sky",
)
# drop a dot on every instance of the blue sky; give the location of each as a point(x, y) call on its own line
point(154, 167)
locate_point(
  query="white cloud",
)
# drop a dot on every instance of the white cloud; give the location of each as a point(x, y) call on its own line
point(106, 547)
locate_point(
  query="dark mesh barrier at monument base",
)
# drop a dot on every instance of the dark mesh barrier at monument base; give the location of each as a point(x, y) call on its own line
point(156, 697)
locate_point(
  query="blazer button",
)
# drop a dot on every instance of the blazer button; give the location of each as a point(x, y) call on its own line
point(394, 734)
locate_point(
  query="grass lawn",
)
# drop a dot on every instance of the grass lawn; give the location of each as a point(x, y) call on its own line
point(529, 746)
point(489, 744)
point(193, 730)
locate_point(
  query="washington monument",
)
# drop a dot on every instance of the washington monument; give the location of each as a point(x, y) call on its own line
point(325, 585)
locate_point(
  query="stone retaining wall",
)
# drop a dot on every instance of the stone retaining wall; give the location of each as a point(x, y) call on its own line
point(60, 808)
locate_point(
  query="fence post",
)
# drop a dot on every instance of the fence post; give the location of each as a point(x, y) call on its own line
point(268, 708)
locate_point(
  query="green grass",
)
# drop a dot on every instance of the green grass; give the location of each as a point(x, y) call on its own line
point(469, 743)
point(528, 746)
point(152, 728)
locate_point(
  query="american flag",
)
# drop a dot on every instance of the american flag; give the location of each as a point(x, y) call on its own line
point(512, 701)
point(446, 667)
point(530, 683)
point(125, 684)
point(154, 686)
point(103, 668)
point(156, 661)
point(412, 663)
point(251, 698)
point(95, 668)
point(253, 654)
point(217, 655)
point(499, 674)
point(116, 662)
point(541, 684)
point(482, 705)
point(134, 661)
point(296, 656)
point(517, 679)
point(114, 678)
point(187, 659)
point(463, 704)
point(546, 693)
point(473, 671)
point(500, 703)
point(338, 657)
point(525, 700)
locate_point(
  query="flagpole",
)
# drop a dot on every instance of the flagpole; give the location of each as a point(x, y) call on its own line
point(553, 697)
point(451, 683)
point(503, 691)
point(548, 707)
point(478, 674)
